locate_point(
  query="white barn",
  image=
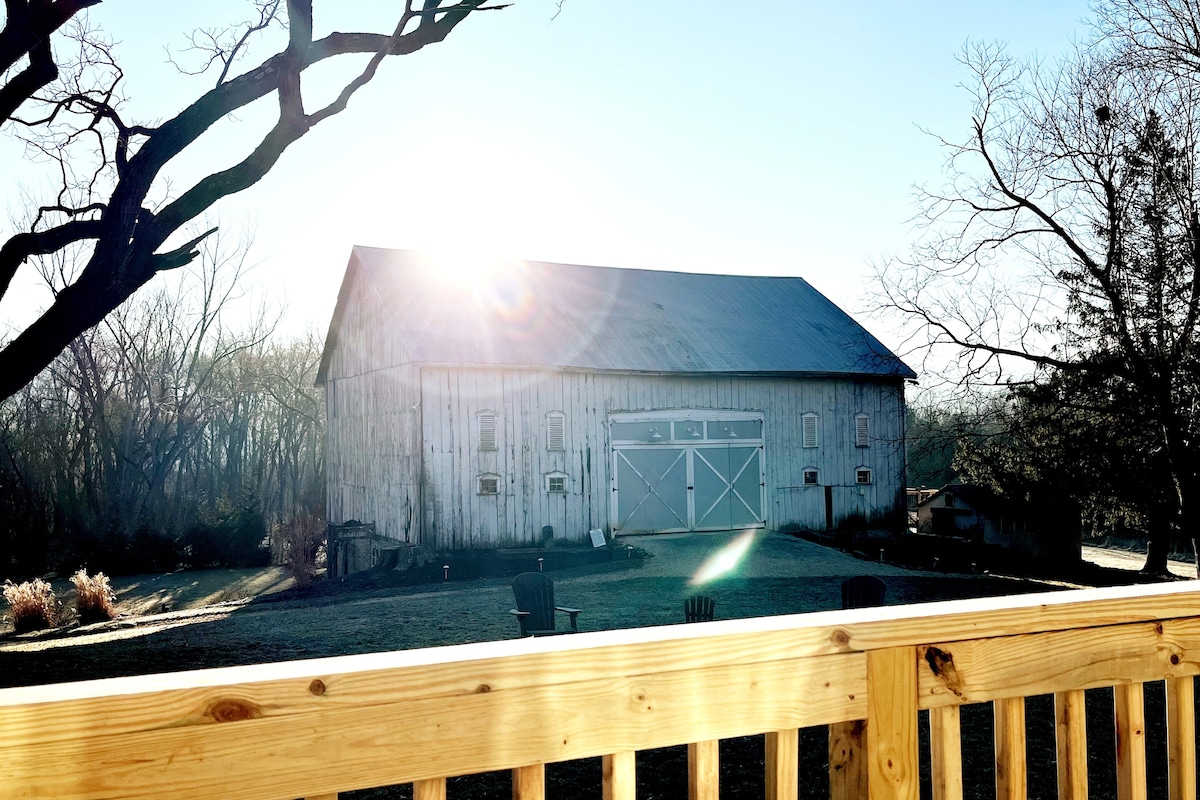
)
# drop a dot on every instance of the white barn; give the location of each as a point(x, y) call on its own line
point(472, 412)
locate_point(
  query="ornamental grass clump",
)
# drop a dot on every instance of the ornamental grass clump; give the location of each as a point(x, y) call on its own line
point(94, 597)
point(31, 604)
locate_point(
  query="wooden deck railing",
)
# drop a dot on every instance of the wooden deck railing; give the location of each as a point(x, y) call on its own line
point(314, 728)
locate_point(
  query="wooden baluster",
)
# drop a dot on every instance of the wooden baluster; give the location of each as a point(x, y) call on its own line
point(1130, 715)
point(848, 760)
point(529, 783)
point(945, 746)
point(892, 755)
point(704, 759)
point(1181, 738)
point(1009, 716)
point(430, 789)
point(620, 776)
point(1070, 741)
point(783, 767)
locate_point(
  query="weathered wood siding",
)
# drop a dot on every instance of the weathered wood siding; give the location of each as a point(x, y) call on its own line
point(455, 515)
point(373, 413)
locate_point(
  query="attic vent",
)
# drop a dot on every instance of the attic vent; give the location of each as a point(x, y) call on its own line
point(487, 430)
point(556, 431)
point(808, 431)
point(862, 431)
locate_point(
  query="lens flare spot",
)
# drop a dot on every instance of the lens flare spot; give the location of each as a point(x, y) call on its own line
point(725, 560)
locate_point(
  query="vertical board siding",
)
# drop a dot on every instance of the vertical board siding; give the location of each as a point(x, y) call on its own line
point(373, 433)
point(456, 516)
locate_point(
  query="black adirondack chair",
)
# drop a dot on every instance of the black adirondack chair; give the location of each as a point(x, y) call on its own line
point(535, 606)
point(699, 608)
point(863, 591)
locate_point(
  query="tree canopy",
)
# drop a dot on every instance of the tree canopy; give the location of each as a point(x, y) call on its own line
point(61, 93)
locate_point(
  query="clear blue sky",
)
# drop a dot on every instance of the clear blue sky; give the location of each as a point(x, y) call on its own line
point(774, 137)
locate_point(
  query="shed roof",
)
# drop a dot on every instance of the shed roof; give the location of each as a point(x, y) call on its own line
point(537, 314)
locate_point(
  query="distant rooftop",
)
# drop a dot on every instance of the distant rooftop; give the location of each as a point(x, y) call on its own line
point(537, 314)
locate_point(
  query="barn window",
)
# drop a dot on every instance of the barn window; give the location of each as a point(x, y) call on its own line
point(862, 476)
point(556, 482)
point(808, 430)
point(487, 430)
point(556, 431)
point(862, 431)
point(489, 484)
point(811, 478)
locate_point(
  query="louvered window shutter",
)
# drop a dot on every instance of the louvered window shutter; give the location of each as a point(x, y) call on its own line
point(862, 431)
point(556, 432)
point(487, 431)
point(809, 430)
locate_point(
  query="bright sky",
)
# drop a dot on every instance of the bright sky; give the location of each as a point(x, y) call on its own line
point(777, 137)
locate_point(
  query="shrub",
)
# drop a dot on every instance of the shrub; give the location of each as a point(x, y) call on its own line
point(94, 597)
point(32, 605)
point(302, 537)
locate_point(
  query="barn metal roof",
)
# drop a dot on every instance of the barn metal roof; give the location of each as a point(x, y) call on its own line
point(537, 314)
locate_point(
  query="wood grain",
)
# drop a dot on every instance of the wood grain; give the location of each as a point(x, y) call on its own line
point(892, 755)
point(1011, 782)
point(264, 732)
point(1181, 738)
point(431, 789)
point(1070, 740)
point(945, 745)
point(848, 760)
point(619, 776)
point(782, 764)
point(979, 670)
point(1130, 719)
point(529, 782)
point(704, 760)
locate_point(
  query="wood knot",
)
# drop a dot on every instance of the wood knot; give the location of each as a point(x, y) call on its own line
point(232, 711)
point(941, 664)
point(317, 687)
point(482, 688)
point(1175, 659)
point(840, 637)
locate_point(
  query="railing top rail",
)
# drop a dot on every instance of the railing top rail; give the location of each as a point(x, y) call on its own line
point(324, 725)
point(818, 633)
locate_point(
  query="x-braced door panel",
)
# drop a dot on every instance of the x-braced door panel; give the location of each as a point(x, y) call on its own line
point(727, 487)
point(668, 488)
point(653, 489)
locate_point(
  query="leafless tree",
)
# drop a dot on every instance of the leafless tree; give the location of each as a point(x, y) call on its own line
point(61, 94)
point(1066, 240)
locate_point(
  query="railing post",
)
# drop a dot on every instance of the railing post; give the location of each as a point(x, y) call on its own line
point(1070, 738)
point(431, 789)
point(1181, 738)
point(529, 783)
point(620, 776)
point(848, 760)
point(783, 764)
point(945, 746)
point(1009, 715)
point(892, 755)
point(1129, 712)
point(704, 759)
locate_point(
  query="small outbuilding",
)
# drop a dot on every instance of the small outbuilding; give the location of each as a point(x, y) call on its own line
point(979, 514)
point(484, 406)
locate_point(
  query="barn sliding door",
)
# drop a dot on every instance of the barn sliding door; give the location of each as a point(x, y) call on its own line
point(683, 471)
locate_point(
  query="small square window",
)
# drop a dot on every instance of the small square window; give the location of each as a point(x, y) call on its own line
point(489, 485)
point(556, 483)
point(810, 477)
point(862, 476)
